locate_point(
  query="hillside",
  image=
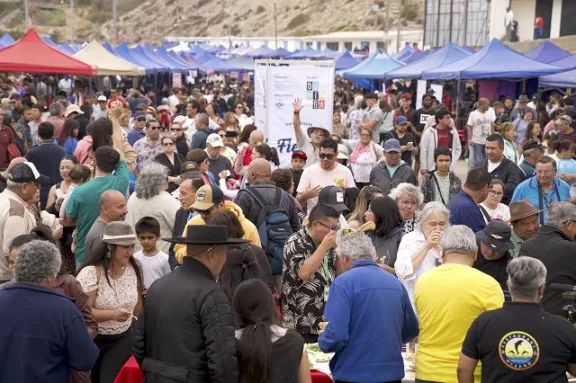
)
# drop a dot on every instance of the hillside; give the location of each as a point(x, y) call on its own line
point(151, 20)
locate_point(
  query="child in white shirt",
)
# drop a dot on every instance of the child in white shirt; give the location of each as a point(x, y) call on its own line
point(153, 261)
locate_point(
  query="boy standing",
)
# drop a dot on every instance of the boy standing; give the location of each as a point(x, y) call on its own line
point(154, 262)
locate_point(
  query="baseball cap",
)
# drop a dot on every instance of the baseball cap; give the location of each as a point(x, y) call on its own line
point(182, 121)
point(72, 108)
point(138, 115)
point(333, 196)
point(214, 140)
point(208, 196)
point(342, 152)
point(372, 96)
point(102, 98)
point(392, 145)
point(407, 96)
point(26, 172)
point(401, 120)
point(565, 119)
point(523, 98)
point(496, 235)
point(532, 144)
point(299, 154)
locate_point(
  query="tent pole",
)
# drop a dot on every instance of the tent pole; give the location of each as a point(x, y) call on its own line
point(457, 121)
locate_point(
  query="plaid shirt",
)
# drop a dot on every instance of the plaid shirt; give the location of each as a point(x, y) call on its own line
point(146, 153)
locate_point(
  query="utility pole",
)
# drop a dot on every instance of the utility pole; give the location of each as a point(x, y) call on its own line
point(387, 25)
point(72, 22)
point(27, 23)
point(399, 24)
point(115, 19)
point(275, 27)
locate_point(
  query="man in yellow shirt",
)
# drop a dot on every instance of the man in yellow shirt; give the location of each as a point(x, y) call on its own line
point(448, 299)
point(209, 200)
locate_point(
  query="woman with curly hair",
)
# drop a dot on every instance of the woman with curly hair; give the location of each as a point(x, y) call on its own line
point(150, 199)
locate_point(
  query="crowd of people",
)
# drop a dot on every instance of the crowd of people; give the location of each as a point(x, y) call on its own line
point(173, 234)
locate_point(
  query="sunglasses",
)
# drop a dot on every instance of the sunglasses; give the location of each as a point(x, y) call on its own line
point(326, 156)
point(175, 129)
point(141, 119)
point(168, 144)
point(318, 132)
point(153, 127)
point(331, 228)
point(206, 212)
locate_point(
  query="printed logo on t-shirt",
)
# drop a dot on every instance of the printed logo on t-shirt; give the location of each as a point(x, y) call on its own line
point(424, 118)
point(519, 351)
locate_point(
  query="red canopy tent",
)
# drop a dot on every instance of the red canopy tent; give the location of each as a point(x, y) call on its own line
point(32, 55)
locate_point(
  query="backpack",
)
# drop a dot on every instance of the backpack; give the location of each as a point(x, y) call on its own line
point(274, 227)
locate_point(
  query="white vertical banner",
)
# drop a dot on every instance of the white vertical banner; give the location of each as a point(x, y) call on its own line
point(420, 91)
point(260, 95)
point(310, 81)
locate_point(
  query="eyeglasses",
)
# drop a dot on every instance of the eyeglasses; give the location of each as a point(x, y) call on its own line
point(239, 107)
point(331, 228)
point(222, 135)
point(153, 127)
point(495, 193)
point(544, 172)
point(318, 132)
point(168, 144)
point(141, 119)
point(326, 156)
point(175, 129)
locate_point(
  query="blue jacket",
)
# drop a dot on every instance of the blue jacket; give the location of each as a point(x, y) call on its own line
point(529, 190)
point(134, 135)
point(42, 336)
point(464, 211)
point(369, 318)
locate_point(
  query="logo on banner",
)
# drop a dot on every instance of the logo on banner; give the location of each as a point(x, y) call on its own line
point(314, 94)
point(279, 104)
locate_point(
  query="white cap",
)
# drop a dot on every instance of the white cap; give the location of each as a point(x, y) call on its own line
point(214, 140)
point(183, 121)
point(102, 98)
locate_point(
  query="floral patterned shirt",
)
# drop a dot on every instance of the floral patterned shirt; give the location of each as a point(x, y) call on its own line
point(303, 301)
point(146, 152)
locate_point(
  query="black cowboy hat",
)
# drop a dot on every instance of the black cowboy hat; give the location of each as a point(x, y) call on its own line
point(206, 235)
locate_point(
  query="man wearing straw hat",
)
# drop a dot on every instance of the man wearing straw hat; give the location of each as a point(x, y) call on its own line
point(190, 301)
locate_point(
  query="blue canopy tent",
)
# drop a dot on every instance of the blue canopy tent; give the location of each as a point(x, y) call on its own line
point(444, 56)
point(166, 56)
point(210, 48)
point(66, 48)
point(560, 80)
point(152, 56)
point(139, 55)
point(345, 61)
point(568, 62)
point(196, 49)
point(6, 40)
point(328, 53)
point(190, 61)
point(50, 42)
point(202, 57)
point(404, 52)
point(124, 52)
point(376, 68)
point(494, 61)
point(547, 53)
point(108, 47)
point(468, 49)
point(239, 64)
point(281, 52)
point(214, 64)
point(263, 51)
point(306, 53)
point(415, 56)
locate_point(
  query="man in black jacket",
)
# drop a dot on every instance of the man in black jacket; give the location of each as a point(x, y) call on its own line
point(187, 331)
point(554, 245)
point(501, 167)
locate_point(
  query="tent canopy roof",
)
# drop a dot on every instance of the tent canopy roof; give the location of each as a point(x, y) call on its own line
point(31, 54)
point(346, 61)
point(494, 61)
point(108, 64)
point(563, 80)
point(374, 67)
point(444, 56)
point(547, 53)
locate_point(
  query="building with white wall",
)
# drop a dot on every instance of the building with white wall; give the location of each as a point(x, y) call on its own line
point(338, 41)
point(475, 22)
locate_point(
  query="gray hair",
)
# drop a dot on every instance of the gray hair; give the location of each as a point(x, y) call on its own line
point(433, 208)
point(11, 185)
point(152, 180)
point(202, 118)
point(409, 189)
point(56, 109)
point(356, 246)
point(459, 239)
point(560, 212)
point(37, 260)
point(530, 152)
point(525, 276)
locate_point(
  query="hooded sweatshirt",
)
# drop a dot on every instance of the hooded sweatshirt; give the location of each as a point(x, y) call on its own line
point(250, 231)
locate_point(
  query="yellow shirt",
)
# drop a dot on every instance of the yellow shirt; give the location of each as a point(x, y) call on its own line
point(250, 231)
point(448, 299)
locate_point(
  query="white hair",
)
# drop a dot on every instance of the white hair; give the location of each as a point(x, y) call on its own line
point(37, 261)
point(433, 208)
point(560, 212)
point(525, 276)
point(356, 246)
point(459, 239)
point(408, 189)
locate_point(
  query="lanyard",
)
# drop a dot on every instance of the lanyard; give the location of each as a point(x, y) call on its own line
point(541, 197)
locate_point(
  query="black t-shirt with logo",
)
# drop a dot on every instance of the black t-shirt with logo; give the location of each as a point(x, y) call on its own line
point(521, 343)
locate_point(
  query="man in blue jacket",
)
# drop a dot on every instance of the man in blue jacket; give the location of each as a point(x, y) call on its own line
point(42, 333)
point(369, 317)
point(464, 208)
point(544, 188)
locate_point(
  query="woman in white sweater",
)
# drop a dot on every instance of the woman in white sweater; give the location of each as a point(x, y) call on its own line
point(150, 199)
